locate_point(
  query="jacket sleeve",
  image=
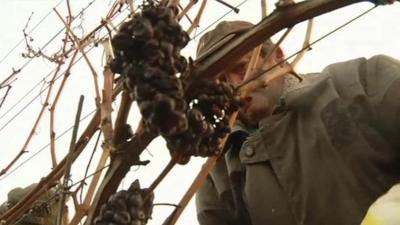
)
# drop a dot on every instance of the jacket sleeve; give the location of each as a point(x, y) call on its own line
point(378, 79)
point(210, 208)
point(384, 82)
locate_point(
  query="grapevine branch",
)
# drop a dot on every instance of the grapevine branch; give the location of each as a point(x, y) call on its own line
point(33, 130)
point(256, 52)
point(85, 41)
point(68, 162)
point(14, 213)
point(196, 20)
point(90, 36)
point(3, 99)
point(31, 53)
point(11, 78)
point(54, 106)
point(305, 48)
point(82, 184)
point(120, 165)
point(251, 83)
point(106, 126)
point(264, 9)
point(106, 108)
point(52, 110)
point(105, 122)
point(70, 17)
point(81, 49)
point(83, 209)
point(186, 9)
point(212, 64)
point(306, 44)
point(49, 181)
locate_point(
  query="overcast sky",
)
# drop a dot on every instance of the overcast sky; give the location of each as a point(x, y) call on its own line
point(374, 33)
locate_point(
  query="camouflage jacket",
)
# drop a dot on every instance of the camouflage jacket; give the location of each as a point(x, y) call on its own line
point(324, 157)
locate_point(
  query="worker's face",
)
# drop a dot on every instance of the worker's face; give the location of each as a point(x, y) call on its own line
point(260, 103)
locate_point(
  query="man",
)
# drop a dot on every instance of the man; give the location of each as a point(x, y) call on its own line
point(45, 212)
point(325, 149)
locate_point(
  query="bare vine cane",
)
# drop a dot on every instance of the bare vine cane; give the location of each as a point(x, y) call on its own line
point(39, 117)
point(87, 39)
point(52, 110)
point(90, 36)
point(10, 78)
point(186, 9)
point(196, 20)
point(131, 4)
point(82, 51)
point(50, 180)
point(208, 67)
point(3, 99)
point(176, 4)
point(106, 108)
point(82, 209)
point(257, 80)
point(256, 52)
point(55, 102)
point(107, 129)
point(105, 124)
point(121, 164)
point(251, 84)
point(68, 164)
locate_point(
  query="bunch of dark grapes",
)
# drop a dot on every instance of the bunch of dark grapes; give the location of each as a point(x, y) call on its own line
point(147, 55)
point(127, 207)
point(208, 117)
point(147, 50)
